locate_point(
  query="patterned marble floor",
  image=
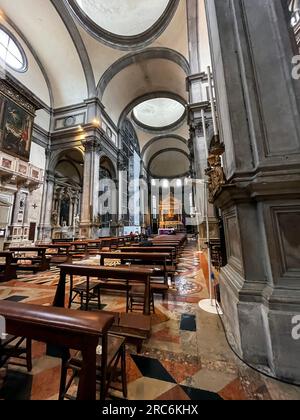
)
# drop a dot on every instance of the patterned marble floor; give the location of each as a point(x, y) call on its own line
point(186, 358)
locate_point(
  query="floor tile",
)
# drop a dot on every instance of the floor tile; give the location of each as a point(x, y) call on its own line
point(200, 395)
point(174, 394)
point(16, 298)
point(152, 368)
point(188, 322)
point(209, 380)
point(148, 389)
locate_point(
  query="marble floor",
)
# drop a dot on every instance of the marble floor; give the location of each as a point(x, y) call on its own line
point(186, 358)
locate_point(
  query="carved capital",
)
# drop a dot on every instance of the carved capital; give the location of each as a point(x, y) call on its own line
point(92, 145)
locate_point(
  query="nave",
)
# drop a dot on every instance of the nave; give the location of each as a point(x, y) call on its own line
point(186, 358)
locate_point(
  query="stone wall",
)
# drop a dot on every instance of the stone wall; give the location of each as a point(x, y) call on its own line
point(258, 108)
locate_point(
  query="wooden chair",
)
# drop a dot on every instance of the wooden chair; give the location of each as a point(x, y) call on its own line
point(116, 355)
point(136, 299)
point(87, 291)
point(11, 348)
point(118, 286)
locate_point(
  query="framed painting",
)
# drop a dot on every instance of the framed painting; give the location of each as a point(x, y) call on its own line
point(16, 129)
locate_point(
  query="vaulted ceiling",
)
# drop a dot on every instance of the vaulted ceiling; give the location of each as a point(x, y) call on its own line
point(72, 57)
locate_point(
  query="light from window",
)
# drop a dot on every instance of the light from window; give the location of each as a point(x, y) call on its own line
point(10, 53)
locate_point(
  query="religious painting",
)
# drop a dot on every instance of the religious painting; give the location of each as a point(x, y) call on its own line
point(16, 129)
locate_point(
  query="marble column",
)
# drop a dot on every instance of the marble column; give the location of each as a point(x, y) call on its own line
point(258, 107)
point(89, 226)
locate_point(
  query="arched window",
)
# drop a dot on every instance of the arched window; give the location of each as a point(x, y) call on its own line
point(11, 52)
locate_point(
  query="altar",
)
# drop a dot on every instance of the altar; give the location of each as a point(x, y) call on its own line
point(171, 219)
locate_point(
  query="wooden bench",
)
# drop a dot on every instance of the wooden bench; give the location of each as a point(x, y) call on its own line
point(39, 262)
point(8, 269)
point(67, 329)
point(123, 274)
point(138, 258)
point(58, 253)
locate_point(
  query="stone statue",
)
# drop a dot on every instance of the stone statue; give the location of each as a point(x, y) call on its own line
point(54, 218)
point(216, 176)
point(77, 221)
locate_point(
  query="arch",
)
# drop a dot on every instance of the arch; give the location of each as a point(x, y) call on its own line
point(170, 149)
point(57, 155)
point(107, 164)
point(128, 60)
point(72, 163)
point(169, 170)
point(120, 42)
point(162, 137)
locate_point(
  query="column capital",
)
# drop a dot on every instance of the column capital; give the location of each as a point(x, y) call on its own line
point(92, 144)
point(50, 176)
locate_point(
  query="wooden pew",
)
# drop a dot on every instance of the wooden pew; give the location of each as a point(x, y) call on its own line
point(68, 329)
point(138, 275)
point(8, 269)
point(62, 254)
point(139, 258)
point(151, 249)
point(79, 250)
point(135, 327)
point(39, 262)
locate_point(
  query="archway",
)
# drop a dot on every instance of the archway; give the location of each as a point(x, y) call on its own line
point(66, 203)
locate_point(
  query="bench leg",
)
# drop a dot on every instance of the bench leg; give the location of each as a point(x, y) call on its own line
point(99, 298)
point(29, 354)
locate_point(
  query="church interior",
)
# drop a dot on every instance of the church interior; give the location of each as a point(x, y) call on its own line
point(149, 200)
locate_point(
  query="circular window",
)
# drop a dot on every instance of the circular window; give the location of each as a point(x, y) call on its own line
point(11, 52)
point(124, 24)
point(159, 114)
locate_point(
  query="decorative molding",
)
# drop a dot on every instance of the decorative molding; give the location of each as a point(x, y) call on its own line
point(40, 136)
point(120, 42)
point(19, 96)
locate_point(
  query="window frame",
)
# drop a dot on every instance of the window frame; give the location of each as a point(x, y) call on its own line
point(20, 48)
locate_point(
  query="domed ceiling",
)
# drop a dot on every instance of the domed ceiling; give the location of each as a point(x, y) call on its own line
point(125, 23)
point(125, 17)
point(158, 113)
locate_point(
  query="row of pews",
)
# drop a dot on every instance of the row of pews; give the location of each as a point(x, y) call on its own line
point(124, 265)
point(38, 258)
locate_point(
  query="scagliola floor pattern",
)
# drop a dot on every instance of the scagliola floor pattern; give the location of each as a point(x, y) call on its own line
point(186, 358)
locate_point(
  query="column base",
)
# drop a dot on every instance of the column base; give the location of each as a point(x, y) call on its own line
point(259, 327)
point(89, 231)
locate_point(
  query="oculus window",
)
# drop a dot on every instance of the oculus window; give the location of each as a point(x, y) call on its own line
point(11, 52)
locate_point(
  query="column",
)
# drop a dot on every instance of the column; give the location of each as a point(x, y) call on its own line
point(122, 176)
point(44, 228)
point(258, 108)
point(197, 83)
point(89, 225)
